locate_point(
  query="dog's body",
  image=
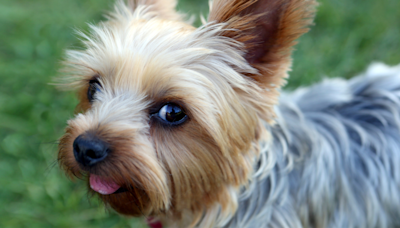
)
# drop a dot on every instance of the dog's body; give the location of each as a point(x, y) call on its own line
point(182, 124)
point(335, 149)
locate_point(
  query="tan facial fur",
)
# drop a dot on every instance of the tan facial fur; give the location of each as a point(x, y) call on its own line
point(225, 76)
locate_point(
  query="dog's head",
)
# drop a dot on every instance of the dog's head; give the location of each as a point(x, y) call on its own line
point(170, 114)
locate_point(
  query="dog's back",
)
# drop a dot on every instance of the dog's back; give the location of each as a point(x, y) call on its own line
point(336, 154)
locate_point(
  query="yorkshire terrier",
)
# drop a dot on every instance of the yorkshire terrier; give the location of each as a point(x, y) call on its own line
point(182, 124)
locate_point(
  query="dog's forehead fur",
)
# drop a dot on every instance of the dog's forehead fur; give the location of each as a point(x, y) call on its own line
point(139, 51)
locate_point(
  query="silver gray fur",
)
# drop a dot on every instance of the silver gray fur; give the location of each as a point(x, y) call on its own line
point(334, 160)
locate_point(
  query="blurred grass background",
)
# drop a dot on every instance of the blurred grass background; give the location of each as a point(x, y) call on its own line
point(348, 35)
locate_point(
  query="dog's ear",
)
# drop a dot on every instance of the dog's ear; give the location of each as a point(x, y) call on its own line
point(268, 29)
point(164, 8)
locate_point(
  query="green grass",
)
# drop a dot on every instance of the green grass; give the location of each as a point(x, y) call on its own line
point(348, 35)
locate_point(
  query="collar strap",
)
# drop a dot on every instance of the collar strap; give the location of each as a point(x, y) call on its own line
point(153, 223)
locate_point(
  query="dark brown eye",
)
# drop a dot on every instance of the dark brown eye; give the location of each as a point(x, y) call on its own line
point(94, 87)
point(172, 113)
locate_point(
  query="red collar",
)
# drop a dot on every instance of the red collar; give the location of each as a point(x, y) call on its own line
point(153, 223)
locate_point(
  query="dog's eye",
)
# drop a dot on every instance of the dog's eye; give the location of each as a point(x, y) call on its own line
point(172, 113)
point(94, 87)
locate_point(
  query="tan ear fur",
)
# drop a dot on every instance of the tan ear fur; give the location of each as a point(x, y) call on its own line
point(268, 29)
point(164, 8)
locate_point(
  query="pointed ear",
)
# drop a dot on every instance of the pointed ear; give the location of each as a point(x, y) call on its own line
point(268, 29)
point(164, 8)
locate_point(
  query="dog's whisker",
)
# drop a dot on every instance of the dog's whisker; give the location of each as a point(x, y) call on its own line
point(51, 166)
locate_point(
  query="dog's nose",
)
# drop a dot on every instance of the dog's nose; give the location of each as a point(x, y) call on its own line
point(88, 151)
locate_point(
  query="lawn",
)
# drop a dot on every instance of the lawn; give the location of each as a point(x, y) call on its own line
point(348, 35)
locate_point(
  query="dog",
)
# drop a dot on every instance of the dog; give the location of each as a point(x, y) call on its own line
point(188, 127)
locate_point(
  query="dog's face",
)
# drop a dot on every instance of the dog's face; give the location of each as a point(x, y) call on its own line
point(169, 114)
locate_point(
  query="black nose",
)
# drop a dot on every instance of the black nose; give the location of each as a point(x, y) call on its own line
point(89, 151)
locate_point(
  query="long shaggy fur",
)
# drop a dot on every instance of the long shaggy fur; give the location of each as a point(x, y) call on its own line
point(329, 161)
point(335, 153)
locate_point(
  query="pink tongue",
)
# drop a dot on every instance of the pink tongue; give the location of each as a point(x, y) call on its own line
point(103, 186)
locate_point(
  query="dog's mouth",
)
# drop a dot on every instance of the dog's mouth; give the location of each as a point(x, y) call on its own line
point(104, 186)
